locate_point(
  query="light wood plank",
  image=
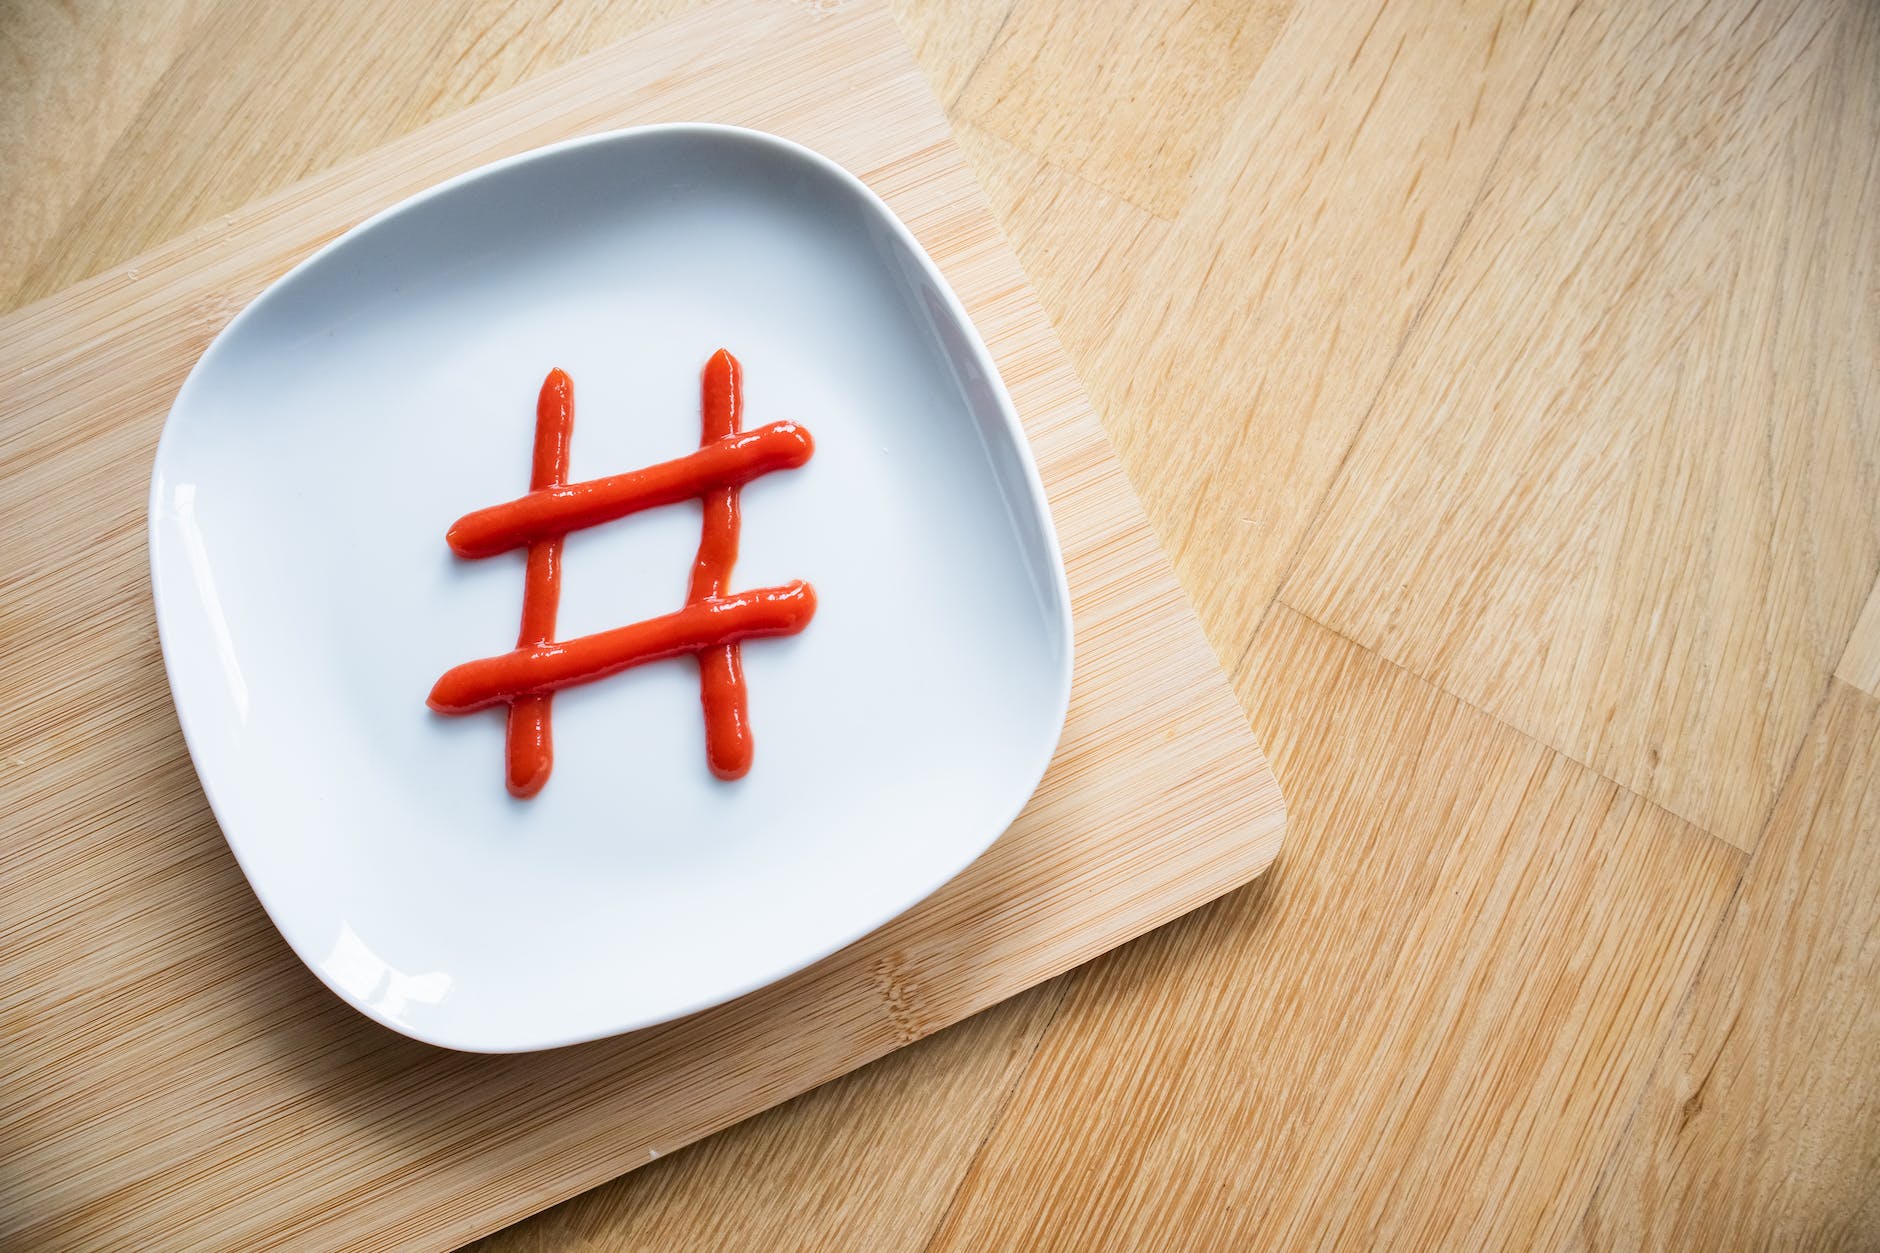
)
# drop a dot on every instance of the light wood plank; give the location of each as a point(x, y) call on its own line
point(1621, 490)
point(1255, 339)
point(75, 78)
point(1083, 247)
point(139, 978)
point(1418, 1033)
point(1131, 97)
point(950, 39)
point(1860, 663)
point(869, 1161)
point(1761, 1124)
point(295, 88)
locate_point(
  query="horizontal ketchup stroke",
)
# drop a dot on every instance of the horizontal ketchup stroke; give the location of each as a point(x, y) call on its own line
point(552, 512)
point(702, 624)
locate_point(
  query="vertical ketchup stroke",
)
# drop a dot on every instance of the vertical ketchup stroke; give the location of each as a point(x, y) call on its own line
point(721, 669)
point(531, 739)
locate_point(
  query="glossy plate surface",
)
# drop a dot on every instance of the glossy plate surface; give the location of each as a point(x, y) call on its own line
point(306, 599)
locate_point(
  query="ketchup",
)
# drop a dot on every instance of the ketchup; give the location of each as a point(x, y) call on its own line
point(712, 622)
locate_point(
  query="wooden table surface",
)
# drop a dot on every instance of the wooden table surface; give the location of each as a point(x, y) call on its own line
point(1505, 382)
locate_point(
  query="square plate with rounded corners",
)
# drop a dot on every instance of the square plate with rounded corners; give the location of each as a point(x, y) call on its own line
point(307, 601)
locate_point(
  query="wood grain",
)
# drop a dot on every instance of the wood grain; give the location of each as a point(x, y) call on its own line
point(950, 39)
point(1760, 1126)
point(867, 1162)
point(176, 1077)
point(1087, 246)
point(1160, 78)
point(1256, 336)
point(82, 77)
point(280, 114)
point(1614, 253)
point(1630, 504)
point(1860, 662)
point(1404, 1036)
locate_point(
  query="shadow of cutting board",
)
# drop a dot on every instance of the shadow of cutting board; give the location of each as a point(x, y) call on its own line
point(174, 1077)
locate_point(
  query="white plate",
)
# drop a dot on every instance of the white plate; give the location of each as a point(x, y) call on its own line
point(307, 601)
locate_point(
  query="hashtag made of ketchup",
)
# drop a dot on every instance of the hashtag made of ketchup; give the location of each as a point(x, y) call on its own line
point(710, 625)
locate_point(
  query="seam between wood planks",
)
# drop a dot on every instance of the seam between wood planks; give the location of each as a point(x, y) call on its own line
point(979, 63)
point(1675, 1020)
point(1074, 977)
point(1743, 854)
point(1315, 522)
point(1067, 981)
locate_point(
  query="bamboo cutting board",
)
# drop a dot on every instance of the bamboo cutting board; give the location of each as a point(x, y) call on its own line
point(174, 1077)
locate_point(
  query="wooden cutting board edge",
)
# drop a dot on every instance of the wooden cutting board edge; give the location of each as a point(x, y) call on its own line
point(1155, 810)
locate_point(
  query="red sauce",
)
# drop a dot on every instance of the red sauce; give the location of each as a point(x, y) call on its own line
point(539, 669)
point(721, 669)
point(711, 624)
point(552, 511)
point(531, 745)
